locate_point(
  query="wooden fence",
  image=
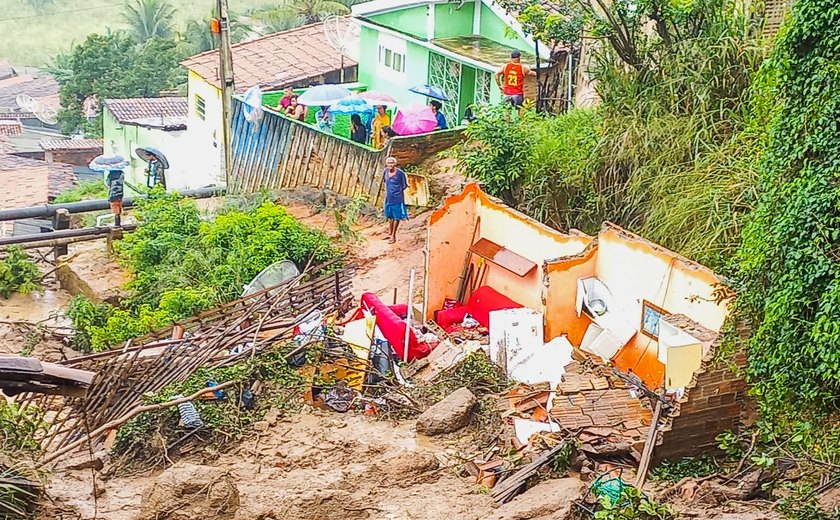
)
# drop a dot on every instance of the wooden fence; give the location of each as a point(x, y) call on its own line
point(279, 152)
point(149, 363)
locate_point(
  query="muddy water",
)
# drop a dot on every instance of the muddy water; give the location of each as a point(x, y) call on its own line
point(36, 307)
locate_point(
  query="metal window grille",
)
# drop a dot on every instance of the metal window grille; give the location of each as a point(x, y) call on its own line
point(446, 74)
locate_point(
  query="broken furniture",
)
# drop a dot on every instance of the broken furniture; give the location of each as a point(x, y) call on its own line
point(608, 330)
point(25, 374)
point(481, 303)
point(392, 322)
point(503, 257)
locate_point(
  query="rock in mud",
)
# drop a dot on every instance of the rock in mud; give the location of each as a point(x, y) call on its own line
point(449, 415)
point(549, 500)
point(190, 492)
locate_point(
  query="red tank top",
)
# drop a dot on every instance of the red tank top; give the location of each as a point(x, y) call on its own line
point(514, 81)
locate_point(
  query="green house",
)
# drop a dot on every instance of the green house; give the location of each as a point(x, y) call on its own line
point(457, 46)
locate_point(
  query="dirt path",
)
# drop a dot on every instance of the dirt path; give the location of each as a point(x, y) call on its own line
point(314, 466)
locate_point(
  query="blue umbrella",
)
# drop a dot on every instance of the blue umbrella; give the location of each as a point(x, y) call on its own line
point(351, 105)
point(323, 95)
point(430, 91)
point(104, 163)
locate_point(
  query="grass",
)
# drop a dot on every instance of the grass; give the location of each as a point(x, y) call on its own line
point(32, 39)
point(84, 191)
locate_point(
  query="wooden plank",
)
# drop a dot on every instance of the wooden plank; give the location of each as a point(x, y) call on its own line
point(286, 169)
point(650, 443)
point(503, 257)
point(508, 488)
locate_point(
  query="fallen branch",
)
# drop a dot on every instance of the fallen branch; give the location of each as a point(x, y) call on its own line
point(130, 415)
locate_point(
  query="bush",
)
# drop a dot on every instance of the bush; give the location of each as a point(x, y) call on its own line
point(18, 274)
point(85, 190)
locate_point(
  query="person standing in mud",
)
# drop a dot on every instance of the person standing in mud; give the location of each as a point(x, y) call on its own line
point(395, 185)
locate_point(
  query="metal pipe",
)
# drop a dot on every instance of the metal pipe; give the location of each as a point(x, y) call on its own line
point(48, 210)
point(53, 236)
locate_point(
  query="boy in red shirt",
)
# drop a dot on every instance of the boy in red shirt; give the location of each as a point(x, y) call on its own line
point(511, 80)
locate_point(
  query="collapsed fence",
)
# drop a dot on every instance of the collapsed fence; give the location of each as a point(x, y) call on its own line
point(214, 338)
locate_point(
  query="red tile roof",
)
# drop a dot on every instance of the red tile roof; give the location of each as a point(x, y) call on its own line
point(72, 144)
point(35, 182)
point(274, 61)
point(10, 127)
point(168, 113)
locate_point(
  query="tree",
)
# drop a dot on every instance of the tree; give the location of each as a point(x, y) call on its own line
point(115, 66)
point(788, 278)
point(199, 39)
point(293, 13)
point(149, 19)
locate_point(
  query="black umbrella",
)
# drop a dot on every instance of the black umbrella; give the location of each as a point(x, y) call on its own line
point(152, 154)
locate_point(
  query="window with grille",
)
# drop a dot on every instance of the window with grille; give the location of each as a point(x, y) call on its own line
point(446, 75)
point(483, 85)
point(391, 59)
point(199, 106)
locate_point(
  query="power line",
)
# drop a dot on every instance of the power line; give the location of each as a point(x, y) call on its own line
point(46, 15)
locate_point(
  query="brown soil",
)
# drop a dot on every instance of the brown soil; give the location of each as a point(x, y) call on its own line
point(311, 466)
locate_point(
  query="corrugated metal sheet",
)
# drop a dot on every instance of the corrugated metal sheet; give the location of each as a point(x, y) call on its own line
point(281, 153)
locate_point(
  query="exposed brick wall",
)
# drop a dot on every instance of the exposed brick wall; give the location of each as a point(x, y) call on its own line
point(713, 403)
point(414, 149)
point(74, 157)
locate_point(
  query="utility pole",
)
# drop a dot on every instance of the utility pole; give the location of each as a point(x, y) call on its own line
point(226, 77)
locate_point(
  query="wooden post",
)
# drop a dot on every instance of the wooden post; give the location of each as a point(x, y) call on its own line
point(408, 315)
point(61, 220)
point(227, 81)
point(644, 463)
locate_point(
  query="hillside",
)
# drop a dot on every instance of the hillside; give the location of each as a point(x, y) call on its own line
point(31, 38)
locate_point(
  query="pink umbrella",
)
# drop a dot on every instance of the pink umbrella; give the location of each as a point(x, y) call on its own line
point(414, 119)
point(374, 97)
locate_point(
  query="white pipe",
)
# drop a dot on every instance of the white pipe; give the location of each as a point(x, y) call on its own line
point(571, 60)
point(408, 315)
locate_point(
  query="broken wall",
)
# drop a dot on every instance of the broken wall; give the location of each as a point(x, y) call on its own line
point(561, 276)
point(713, 403)
point(450, 234)
point(636, 269)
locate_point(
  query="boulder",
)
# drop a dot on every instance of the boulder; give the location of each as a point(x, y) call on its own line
point(549, 500)
point(190, 492)
point(451, 414)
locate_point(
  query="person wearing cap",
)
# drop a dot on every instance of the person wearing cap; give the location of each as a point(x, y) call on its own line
point(511, 80)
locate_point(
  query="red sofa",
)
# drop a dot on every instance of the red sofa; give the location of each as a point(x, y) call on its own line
point(391, 321)
point(482, 302)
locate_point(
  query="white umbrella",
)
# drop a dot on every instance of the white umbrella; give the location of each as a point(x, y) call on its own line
point(323, 95)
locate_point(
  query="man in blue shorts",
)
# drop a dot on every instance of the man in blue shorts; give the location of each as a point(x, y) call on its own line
point(395, 186)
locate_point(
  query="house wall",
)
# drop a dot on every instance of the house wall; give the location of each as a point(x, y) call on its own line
point(453, 19)
point(205, 135)
point(635, 269)
point(450, 235)
point(562, 275)
point(713, 403)
point(416, 68)
point(409, 21)
point(493, 27)
point(74, 157)
point(124, 139)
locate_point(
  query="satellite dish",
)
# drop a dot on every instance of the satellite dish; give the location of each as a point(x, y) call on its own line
point(275, 274)
point(47, 114)
point(342, 33)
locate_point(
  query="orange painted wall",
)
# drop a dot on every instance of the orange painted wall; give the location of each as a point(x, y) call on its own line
point(449, 235)
point(562, 276)
point(447, 239)
point(636, 269)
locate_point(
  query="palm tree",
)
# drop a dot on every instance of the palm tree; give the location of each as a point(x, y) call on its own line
point(149, 19)
point(198, 37)
point(293, 13)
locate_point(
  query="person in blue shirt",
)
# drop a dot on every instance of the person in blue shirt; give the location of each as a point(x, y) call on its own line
point(395, 185)
point(441, 119)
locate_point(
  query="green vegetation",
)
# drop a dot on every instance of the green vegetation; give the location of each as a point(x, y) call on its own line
point(182, 265)
point(144, 436)
point(632, 504)
point(147, 19)
point(18, 274)
point(114, 66)
point(676, 470)
point(85, 190)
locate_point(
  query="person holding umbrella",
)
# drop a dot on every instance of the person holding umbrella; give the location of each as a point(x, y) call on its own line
point(114, 181)
point(441, 119)
point(380, 121)
point(395, 185)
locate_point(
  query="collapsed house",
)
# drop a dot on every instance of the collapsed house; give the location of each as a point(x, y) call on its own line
point(613, 323)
